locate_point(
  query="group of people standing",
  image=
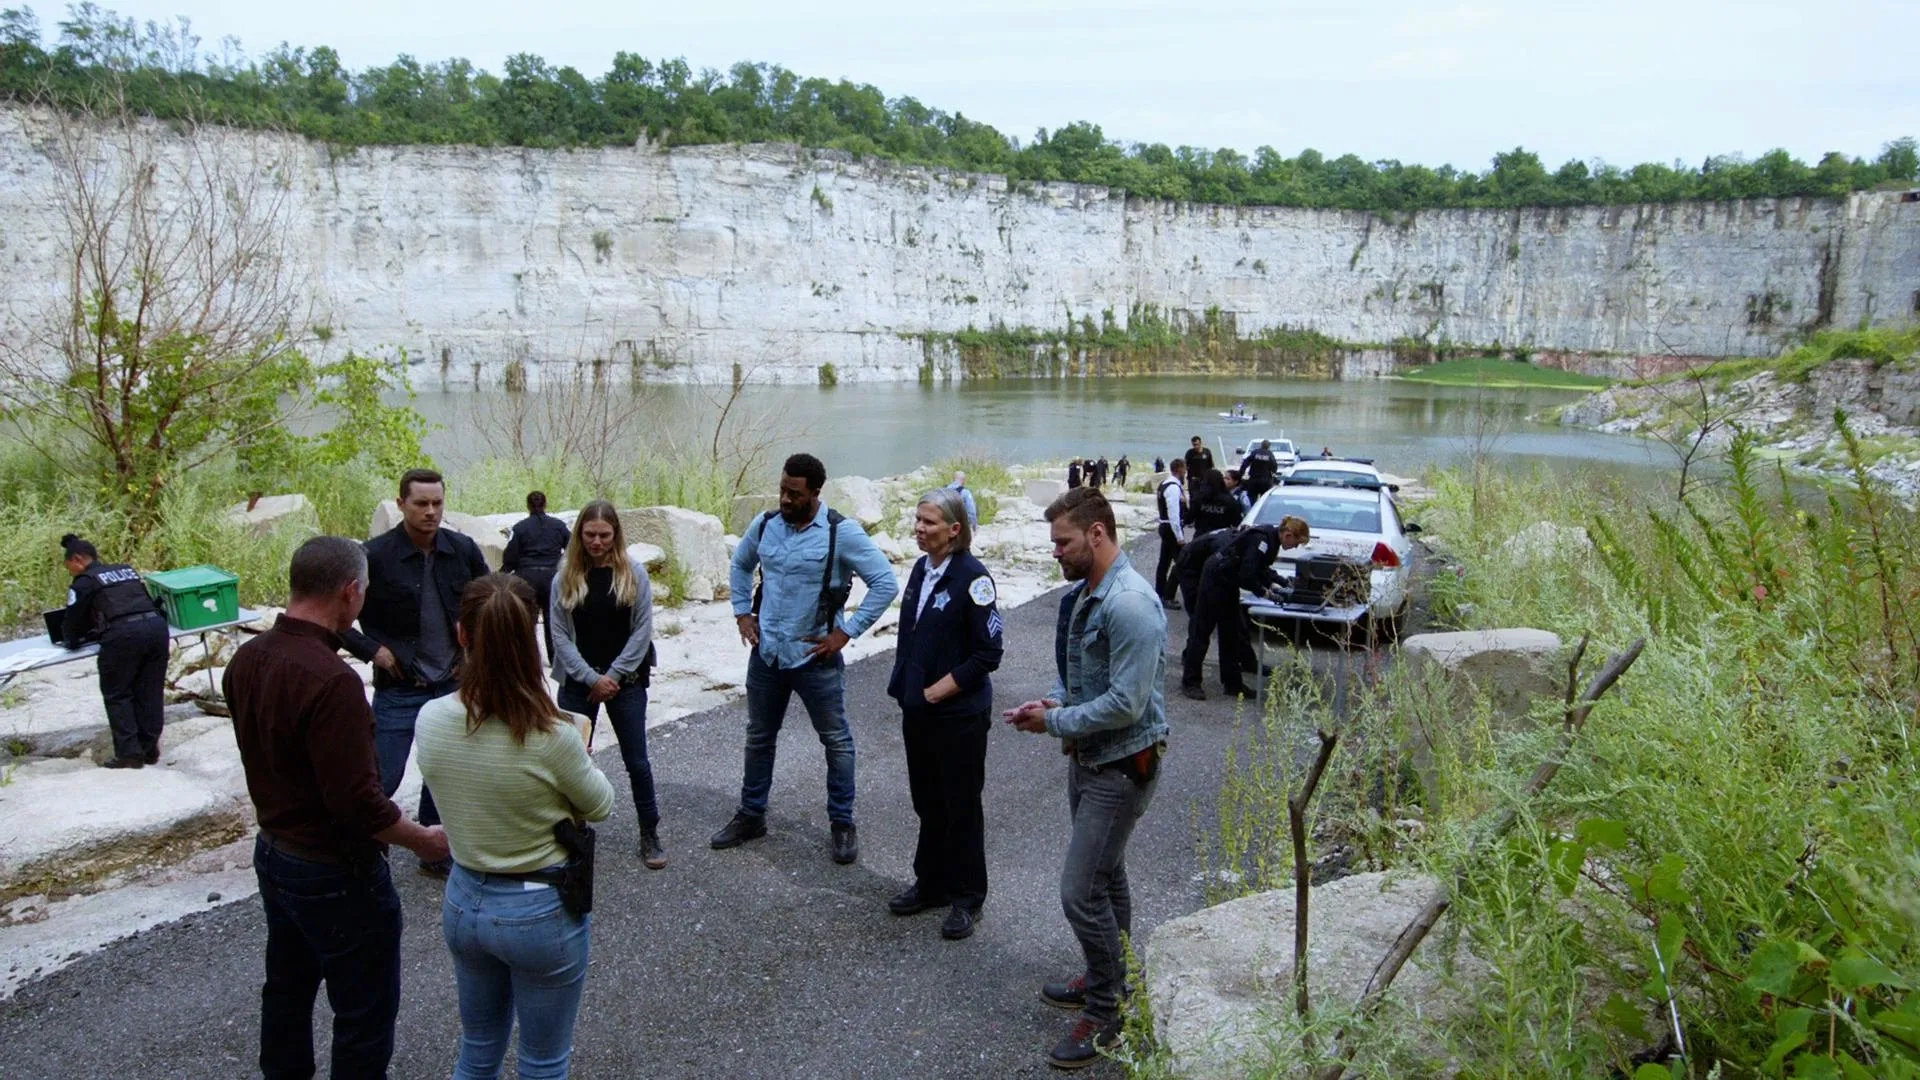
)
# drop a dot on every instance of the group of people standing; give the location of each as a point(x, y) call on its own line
point(1094, 472)
point(1209, 554)
point(508, 783)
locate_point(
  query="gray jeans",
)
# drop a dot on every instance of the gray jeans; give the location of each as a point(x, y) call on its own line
point(1106, 804)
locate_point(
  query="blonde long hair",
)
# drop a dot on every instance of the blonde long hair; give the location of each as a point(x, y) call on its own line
point(573, 575)
point(501, 678)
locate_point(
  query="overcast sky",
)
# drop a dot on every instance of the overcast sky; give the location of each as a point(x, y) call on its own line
point(1620, 80)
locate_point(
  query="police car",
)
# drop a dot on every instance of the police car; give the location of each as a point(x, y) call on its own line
point(1358, 566)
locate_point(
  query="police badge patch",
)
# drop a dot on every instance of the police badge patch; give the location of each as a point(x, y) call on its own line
point(981, 591)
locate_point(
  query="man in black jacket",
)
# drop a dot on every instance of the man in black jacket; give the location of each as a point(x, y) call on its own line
point(1246, 563)
point(534, 551)
point(1199, 459)
point(416, 572)
point(109, 602)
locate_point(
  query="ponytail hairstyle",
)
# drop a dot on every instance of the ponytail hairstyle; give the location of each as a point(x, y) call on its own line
point(500, 679)
point(73, 545)
point(573, 573)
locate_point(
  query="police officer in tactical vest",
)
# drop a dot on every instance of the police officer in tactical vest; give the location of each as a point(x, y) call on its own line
point(1245, 562)
point(109, 603)
point(1260, 469)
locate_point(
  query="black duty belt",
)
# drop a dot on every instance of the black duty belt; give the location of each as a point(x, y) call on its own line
point(546, 875)
point(133, 615)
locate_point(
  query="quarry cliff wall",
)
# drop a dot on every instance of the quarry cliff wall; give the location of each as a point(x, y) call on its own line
point(772, 261)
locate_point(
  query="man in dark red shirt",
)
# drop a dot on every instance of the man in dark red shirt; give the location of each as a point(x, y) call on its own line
point(305, 731)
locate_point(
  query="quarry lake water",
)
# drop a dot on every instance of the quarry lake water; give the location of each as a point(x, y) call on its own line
point(878, 429)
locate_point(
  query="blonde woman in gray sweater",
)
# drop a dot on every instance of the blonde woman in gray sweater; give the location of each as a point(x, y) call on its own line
point(602, 621)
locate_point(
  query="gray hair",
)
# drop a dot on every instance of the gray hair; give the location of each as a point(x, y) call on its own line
point(324, 565)
point(954, 511)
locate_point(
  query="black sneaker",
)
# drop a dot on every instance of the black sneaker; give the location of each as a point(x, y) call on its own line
point(742, 828)
point(1082, 1045)
point(152, 757)
point(1236, 691)
point(1071, 994)
point(652, 854)
point(124, 763)
point(959, 923)
point(1193, 692)
point(912, 902)
point(846, 843)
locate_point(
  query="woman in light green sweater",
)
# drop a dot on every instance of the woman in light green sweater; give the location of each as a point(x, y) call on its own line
point(512, 765)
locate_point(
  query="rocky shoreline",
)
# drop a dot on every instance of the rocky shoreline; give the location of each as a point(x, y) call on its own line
point(1792, 418)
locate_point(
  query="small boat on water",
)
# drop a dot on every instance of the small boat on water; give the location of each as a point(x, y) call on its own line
point(1238, 418)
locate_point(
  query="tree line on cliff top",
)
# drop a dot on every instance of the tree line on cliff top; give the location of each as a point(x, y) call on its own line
point(160, 69)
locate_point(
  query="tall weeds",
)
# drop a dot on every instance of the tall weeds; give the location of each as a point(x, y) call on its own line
point(1728, 861)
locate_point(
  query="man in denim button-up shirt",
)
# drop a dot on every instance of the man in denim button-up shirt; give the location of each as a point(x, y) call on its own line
point(795, 649)
point(1111, 716)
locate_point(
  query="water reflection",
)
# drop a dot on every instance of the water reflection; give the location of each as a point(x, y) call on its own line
point(879, 429)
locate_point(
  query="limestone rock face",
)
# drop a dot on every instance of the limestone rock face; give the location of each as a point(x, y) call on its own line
point(1221, 980)
point(693, 540)
point(1514, 666)
point(857, 498)
point(1042, 492)
point(275, 511)
point(473, 259)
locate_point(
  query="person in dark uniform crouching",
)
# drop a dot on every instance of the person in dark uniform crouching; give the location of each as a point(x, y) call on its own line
point(534, 550)
point(110, 602)
point(950, 642)
point(1245, 563)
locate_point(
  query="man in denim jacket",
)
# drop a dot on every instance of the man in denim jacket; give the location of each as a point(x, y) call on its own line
point(1111, 718)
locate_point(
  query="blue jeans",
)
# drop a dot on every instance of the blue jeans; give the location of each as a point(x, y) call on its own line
point(821, 686)
point(334, 924)
point(516, 952)
point(1106, 804)
point(395, 708)
point(627, 712)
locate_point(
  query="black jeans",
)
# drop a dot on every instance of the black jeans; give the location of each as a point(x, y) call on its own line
point(133, 682)
point(334, 924)
point(946, 772)
point(627, 712)
point(1217, 612)
point(540, 576)
point(1169, 551)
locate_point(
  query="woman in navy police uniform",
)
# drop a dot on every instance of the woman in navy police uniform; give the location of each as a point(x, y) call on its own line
point(950, 640)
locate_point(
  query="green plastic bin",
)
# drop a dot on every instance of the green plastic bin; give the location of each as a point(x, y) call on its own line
point(196, 596)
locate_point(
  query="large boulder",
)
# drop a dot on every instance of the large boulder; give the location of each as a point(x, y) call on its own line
point(651, 556)
point(1221, 980)
point(1042, 492)
point(694, 541)
point(1512, 667)
point(746, 509)
point(272, 512)
point(890, 547)
point(856, 497)
point(491, 538)
point(386, 515)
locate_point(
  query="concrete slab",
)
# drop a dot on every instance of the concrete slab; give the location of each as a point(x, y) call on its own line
point(66, 823)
